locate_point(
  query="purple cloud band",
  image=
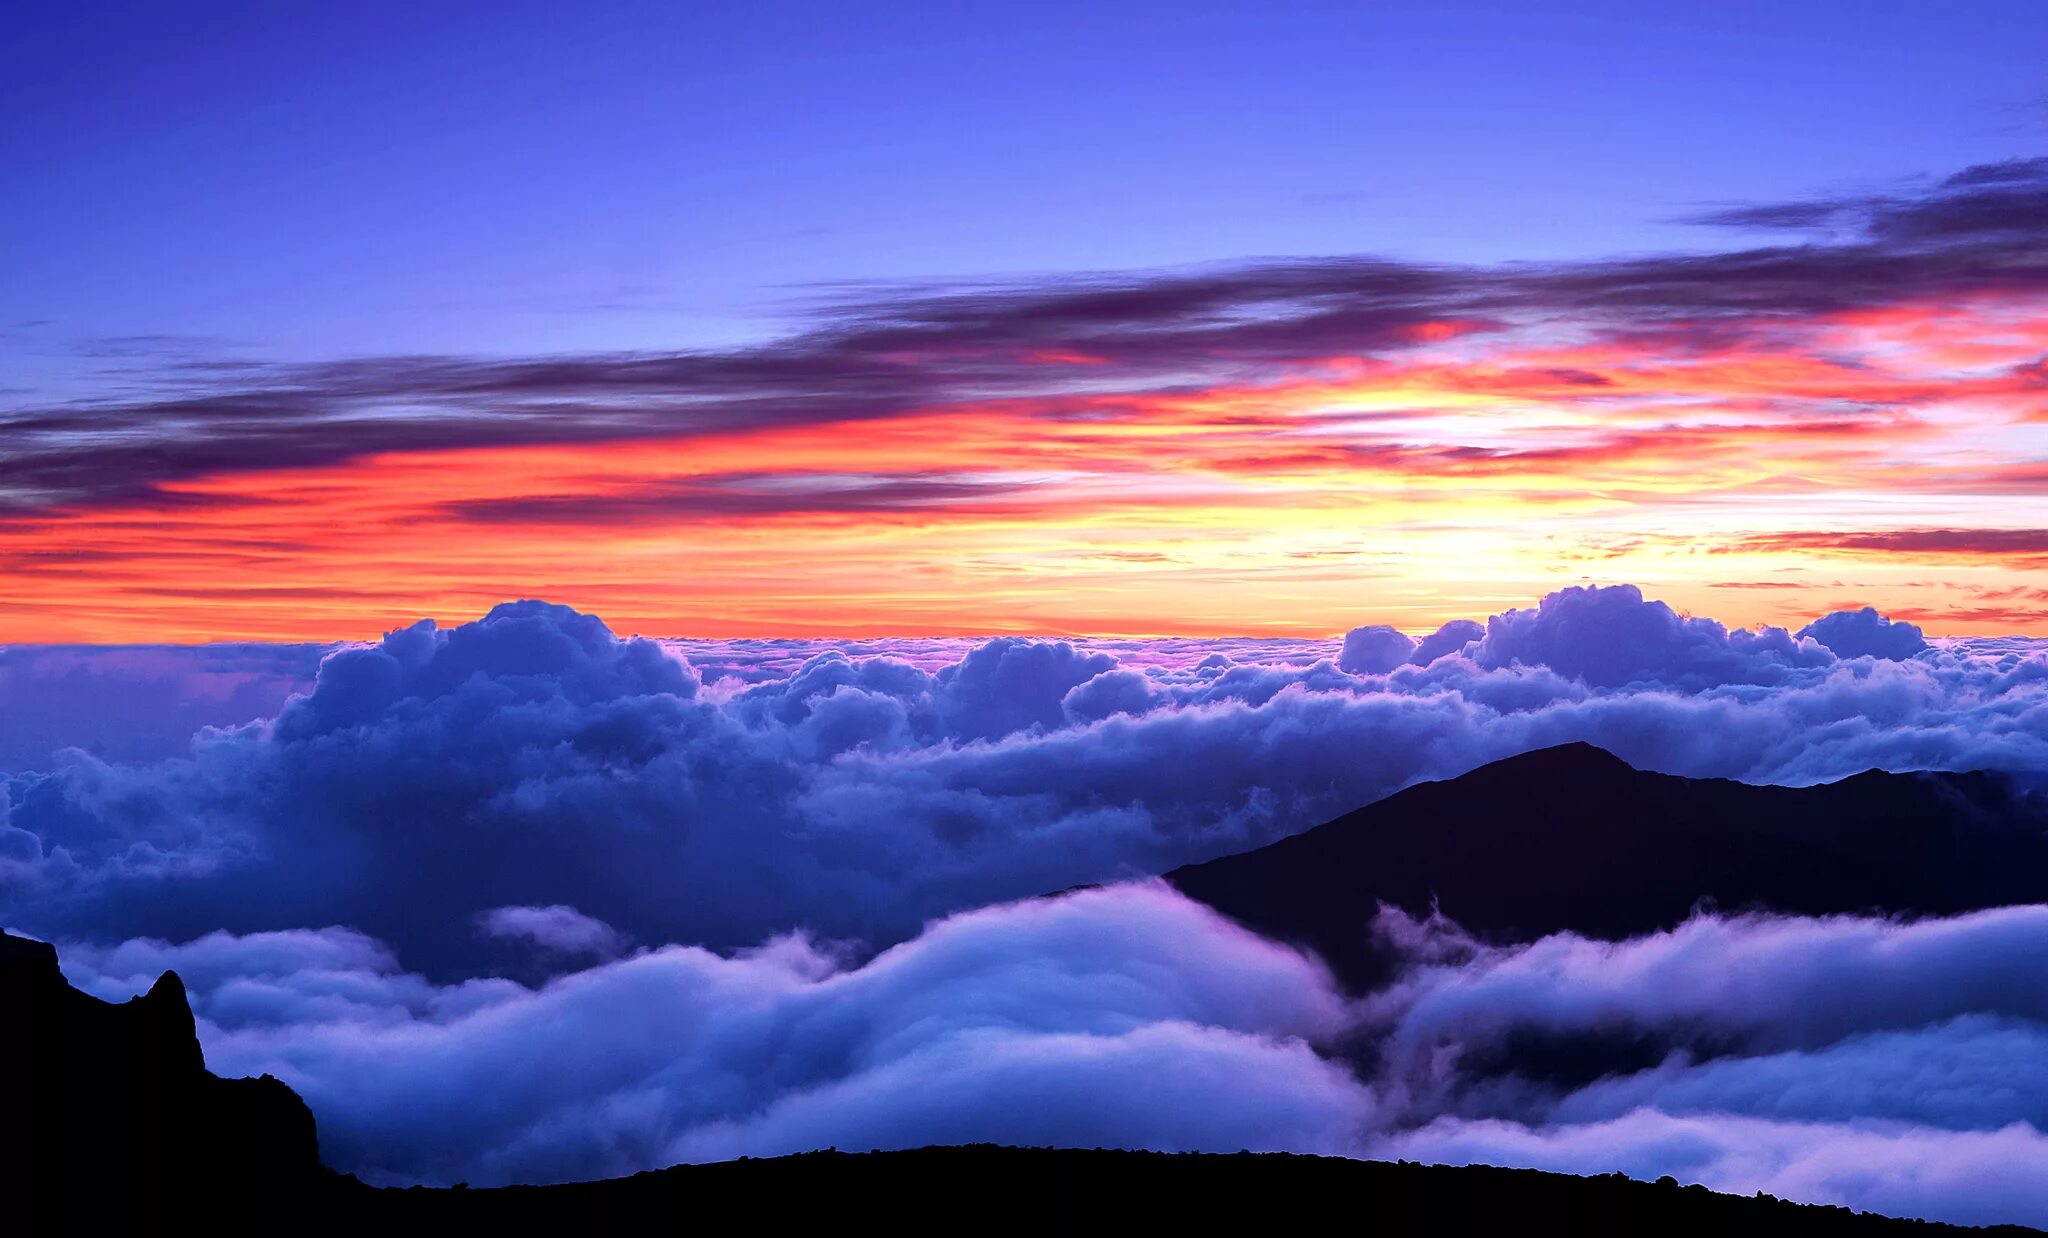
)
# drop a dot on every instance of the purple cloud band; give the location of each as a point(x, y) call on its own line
point(870, 354)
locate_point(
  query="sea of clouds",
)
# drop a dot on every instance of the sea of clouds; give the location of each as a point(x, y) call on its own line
point(525, 900)
point(1889, 1066)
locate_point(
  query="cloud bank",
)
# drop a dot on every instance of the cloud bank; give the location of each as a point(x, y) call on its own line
point(533, 759)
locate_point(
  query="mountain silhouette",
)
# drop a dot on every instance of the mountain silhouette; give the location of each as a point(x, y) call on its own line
point(1573, 838)
point(111, 1115)
point(966, 1188)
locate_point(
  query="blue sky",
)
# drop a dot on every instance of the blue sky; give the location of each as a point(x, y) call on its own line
point(295, 181)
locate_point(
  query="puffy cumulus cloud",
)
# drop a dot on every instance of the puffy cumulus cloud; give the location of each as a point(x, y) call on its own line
point(1375, 650)
point(1124, 1016)
point(534, 759)
point(1608, 637)
point(1010, 684)
point(1112, 692)
point(1612, 637)
point(1865, 633)
point(521, 654)
point(1378, 649)
point(1451, 638)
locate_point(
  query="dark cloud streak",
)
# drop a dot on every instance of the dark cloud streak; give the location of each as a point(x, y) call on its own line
point(883, 353)
point(760, 494)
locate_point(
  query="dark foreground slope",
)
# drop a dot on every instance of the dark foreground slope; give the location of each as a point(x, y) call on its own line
point(1573, 838)
point(978, 1188)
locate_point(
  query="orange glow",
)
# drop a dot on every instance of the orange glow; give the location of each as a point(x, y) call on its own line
point(1467, 471)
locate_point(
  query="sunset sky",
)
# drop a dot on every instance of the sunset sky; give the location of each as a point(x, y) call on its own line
point(1178, 322)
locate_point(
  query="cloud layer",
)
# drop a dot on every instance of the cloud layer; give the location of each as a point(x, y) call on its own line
point(1125, 1017)
point(1888, 1066)
point(533, 759)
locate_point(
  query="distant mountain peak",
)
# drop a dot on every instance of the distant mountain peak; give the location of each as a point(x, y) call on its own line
point(1576, 755)
point(1572, 838)
point(1569, 748)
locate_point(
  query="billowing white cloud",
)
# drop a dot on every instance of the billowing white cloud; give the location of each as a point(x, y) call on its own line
point(1612, 637)
point(554, 929)
point(1865, 633)
point(1122, 1017)
point(1892, 1066)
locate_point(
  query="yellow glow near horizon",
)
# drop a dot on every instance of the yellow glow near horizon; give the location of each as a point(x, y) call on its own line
point(1465, 476)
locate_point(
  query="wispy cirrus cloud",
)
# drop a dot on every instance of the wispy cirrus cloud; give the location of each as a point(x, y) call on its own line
point(764, 493)
point(895, 349)
point(2023, 548)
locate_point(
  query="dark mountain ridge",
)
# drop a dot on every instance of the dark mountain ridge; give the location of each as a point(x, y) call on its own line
point(947, 1189)
point(1573, 838)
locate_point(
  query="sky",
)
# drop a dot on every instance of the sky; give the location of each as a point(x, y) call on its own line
point(790, 319)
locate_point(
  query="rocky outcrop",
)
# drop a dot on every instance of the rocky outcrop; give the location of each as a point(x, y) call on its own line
point(110, 1120)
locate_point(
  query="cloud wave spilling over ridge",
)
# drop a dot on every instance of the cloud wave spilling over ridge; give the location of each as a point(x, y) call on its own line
point(1893, 1067)
point(1884, 1065)
point(1010, 1024)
